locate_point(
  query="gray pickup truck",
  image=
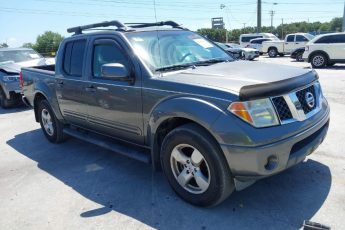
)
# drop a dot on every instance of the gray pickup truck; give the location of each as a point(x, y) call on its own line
point(164, 95)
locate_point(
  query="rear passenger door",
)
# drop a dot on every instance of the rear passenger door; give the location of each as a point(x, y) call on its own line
point(115, 106)
point(338, 47)
point(70, 82)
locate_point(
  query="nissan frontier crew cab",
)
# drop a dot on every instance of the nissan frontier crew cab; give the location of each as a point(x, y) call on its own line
point(164, 95)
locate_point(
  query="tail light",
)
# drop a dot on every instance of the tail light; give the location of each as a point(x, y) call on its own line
point(21, 80)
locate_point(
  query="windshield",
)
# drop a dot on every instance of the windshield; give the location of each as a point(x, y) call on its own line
point(161, 49)
point(309, 36)
point(18, 55)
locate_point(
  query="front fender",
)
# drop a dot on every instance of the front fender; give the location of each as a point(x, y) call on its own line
point(197, 110)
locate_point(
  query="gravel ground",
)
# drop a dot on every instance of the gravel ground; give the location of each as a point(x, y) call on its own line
point(76, 185)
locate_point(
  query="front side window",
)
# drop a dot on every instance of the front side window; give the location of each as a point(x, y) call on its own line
point(161, 49)
point(325, 39)
point(104, 54)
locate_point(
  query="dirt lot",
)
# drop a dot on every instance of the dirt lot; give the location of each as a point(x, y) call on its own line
point(77, 185)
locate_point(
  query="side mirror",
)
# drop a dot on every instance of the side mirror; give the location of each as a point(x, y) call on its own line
point(114, 71)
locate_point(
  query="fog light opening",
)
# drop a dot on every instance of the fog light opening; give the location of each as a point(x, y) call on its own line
point(272, 162)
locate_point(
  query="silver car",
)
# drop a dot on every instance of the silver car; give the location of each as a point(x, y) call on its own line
point(11, 61)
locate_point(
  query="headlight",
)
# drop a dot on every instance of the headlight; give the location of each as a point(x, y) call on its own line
point(9, 78)
point(259, 113)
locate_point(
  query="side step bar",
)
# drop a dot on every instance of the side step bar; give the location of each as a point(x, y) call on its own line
point(134, 152)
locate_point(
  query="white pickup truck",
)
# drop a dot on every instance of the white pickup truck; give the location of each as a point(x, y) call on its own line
point(291, 43)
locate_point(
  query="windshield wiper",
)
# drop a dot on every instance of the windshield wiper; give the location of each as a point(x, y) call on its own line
point(211, 61)
point(176, 67)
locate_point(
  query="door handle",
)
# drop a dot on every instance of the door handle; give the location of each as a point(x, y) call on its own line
point(90, 88)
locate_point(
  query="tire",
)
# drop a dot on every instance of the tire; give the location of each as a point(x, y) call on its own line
point(272, 52)
point(208, 180)
point(299, 57)
point(318, 60)
point(51, 126)
point(4, 102)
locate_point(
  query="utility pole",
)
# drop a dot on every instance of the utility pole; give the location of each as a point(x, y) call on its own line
point(282, 28)
point(344, 19)
point(244, 26)
point(258, 28)
point(272, 14)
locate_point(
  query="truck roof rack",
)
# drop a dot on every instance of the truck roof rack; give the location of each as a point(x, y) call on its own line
point(163, 23)
point(122, 27)
point(79, 29)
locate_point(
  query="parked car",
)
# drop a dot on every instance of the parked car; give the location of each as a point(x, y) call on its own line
point(256, 43)
point(291, 43)
point(172, 98)
point(11, 60)
point(298, 54)
point(236, 53)
point(245, 38)
point(239, 52)
point(325, 50)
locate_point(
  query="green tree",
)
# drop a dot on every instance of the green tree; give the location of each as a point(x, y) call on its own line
point(3, 45)
point(28, 45)
point(48, 43)
point(217, 35)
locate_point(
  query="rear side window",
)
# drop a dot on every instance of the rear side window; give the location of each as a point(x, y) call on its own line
point(300, 38)
point(290, 38)
point(74, 57)
point(340, 38)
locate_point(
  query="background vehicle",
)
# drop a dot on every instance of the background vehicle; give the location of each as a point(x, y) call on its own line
point(298, 54)
point(291, 43)
point(325, 50)
point(11, 60)
point(245, 38)
point(239, 52)
point(169, 97)
point(256, 43)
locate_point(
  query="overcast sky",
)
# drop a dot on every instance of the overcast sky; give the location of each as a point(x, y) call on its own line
point(22, 20)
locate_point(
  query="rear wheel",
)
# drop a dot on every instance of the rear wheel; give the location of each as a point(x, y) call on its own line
point(272, 52)
point(51, 126)
point(318, 60)
point(195, 166)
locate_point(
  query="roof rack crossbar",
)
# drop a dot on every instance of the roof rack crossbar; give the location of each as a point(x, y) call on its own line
point(79, 29)
point(164, 23)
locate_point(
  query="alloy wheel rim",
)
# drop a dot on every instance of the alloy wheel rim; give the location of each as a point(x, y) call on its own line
point(318, 60)
point(190, 168)
point(47, 122)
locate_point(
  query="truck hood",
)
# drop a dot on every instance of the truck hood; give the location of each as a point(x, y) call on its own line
point(238, 76)
point(13, 67)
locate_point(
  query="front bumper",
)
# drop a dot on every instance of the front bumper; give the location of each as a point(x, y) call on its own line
point(253, 163)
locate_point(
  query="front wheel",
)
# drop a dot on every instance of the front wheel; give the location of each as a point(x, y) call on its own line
point(4, 102)
point(51, 126)
point(195, 167)
point(299, 57)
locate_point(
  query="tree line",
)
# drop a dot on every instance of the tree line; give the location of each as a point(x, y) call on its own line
point(46, 44)
point(219, 35)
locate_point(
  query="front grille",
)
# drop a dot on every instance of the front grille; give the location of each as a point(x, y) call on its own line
point(301, 95)
point(282, 108)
